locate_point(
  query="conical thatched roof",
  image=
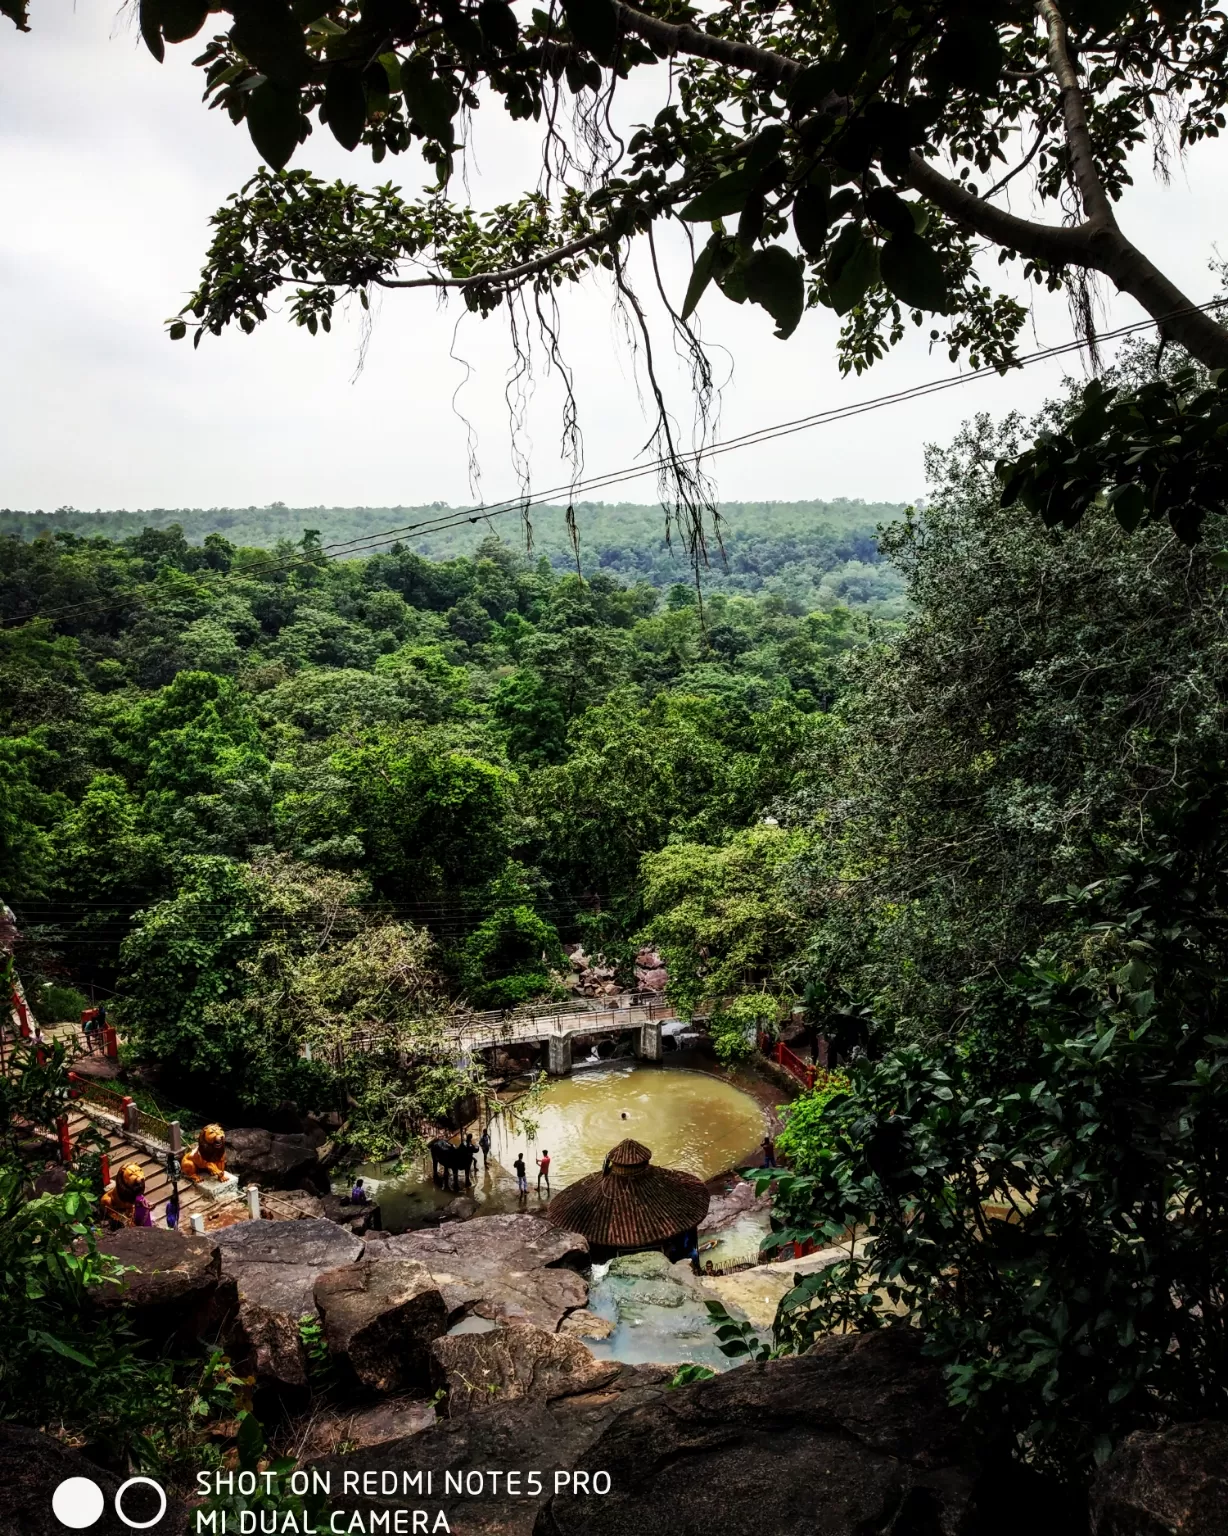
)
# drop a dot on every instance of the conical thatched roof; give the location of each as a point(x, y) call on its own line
point(630, 1204)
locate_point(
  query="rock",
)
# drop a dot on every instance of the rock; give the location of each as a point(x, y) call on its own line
point(727, 1205)
point(32, 1467)
point(397, 1418)
point(527, 1432)
point(1174, 1483)
point(510, 1363)
point(586, 1325)
point(172, 1285)
point(293, 1204)
point(460, 1209)
point(853, 1438)
point(358, 1219)
point(755, 1293)
point(509, 1269)
point(274, 1266)
point(380, 1319)
point(650, 972)
point(269, 1158)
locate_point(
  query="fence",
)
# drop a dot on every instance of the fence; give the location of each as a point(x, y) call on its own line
point(136, 1122)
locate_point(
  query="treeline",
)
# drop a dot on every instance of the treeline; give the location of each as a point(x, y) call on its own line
point(813, 553)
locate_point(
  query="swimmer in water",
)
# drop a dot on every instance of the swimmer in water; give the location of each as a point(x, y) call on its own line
point(624, 1114)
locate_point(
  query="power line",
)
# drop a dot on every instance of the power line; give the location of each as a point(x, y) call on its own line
point(369, 543)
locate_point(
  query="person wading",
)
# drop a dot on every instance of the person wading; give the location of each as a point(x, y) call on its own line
point(484, 1143)
point(543, 1172)
point(522, 1182)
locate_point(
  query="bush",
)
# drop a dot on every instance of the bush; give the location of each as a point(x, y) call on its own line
point(735, 1026)
point(1045, 1199)
point(808, 1132)
point(57, 1005)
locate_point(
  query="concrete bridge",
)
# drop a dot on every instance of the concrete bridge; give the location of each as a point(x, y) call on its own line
point(556, 1026)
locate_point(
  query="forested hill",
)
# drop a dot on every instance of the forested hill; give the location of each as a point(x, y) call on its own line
point(813, 553)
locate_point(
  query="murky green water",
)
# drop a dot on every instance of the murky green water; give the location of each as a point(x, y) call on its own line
point(691, 1120)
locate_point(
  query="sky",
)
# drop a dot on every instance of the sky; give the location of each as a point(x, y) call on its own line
point(110, 168)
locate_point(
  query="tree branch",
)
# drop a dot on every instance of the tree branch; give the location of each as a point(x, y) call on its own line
point(671, 37)
point(507, 275)
point(1057, 244)
point(1096, 206)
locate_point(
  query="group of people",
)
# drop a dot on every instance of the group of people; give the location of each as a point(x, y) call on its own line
point(519, 1167)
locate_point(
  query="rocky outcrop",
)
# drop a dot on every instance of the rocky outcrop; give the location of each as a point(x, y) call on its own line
point(730, 1201)
point(509, 1269)
point(546, 1435)
point(171, 1287)
point(380, 1319)
point(855, 1437)
point(586, 1325)
point(511, 1363)
point(650, 972)
point(756, 1293)
point(330, 1430)
point(32, 1467)
point(1169, 1484)
point(274, 1266)
point(271, 1159)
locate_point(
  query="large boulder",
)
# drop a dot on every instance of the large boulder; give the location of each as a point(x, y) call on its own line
point(380, 1320)
point(274, 1266)
point(32, 1467)
point(171, 1287)
point(512, 1363)
point(331, 1429)
point(854, 1437)
point(510, 1269)
point(546, 1435)
point(271, 1159)
point(1170, 1484)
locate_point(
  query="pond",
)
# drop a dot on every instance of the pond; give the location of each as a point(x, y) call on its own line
point(691, 1120)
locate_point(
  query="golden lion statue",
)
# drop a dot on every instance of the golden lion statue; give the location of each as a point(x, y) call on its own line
point(119, 1202)
point(207, 1157)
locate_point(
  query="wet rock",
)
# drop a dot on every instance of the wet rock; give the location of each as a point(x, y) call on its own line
point(727, 1205)
point(587, 1325)
point(512, 1363)
point(509, 1269)
point(853, 1438)
point(1170, 1484)
point(172, 1285)
point(380, 1319)
point(460, 1209)
point(396, 1418)
point(269, 1158)
point(755, 1293)
point(274, 1266)
point(528, 1432)
point(32, 1466)
point(356, 1218)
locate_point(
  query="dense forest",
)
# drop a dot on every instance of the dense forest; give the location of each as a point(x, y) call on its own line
point(813, 553)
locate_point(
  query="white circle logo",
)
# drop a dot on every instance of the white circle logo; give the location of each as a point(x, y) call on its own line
point(136, 1482)
point(77, 1503)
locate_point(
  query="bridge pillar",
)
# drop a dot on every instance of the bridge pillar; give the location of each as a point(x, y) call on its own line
point(558, 1055)
point(648, 1046)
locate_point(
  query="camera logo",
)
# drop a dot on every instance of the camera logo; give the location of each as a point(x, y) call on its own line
point(78, 1503)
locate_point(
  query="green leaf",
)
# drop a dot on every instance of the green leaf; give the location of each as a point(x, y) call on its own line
point(250, 1440)
point(594, 25)
point(430, 100)
point(912, 271)
point(851, 268)
point(811, 218)
point(345, 104)
point(151, 28)
point(182, 19)
point(890, 212)
point(60, 1348)
point(274, 122)
point(725, 196)
point(774, 281)
point(269, 37)
point(701, 275)
point(1129, 504)
point(498, 22)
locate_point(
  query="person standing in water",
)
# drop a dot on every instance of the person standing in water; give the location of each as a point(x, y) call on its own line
point(769, 1152)
point(543, 1172)
point(484, 1143)
point(522, 1181)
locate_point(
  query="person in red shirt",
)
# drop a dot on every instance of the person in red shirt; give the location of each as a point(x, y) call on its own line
point(543, 1171)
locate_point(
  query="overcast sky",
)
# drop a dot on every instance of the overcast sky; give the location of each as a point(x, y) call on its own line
point(109, 170)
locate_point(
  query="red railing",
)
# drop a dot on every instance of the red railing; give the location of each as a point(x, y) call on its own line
point(803, 1071)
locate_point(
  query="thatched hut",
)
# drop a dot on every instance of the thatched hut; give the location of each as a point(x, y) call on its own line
point(632, 1205)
